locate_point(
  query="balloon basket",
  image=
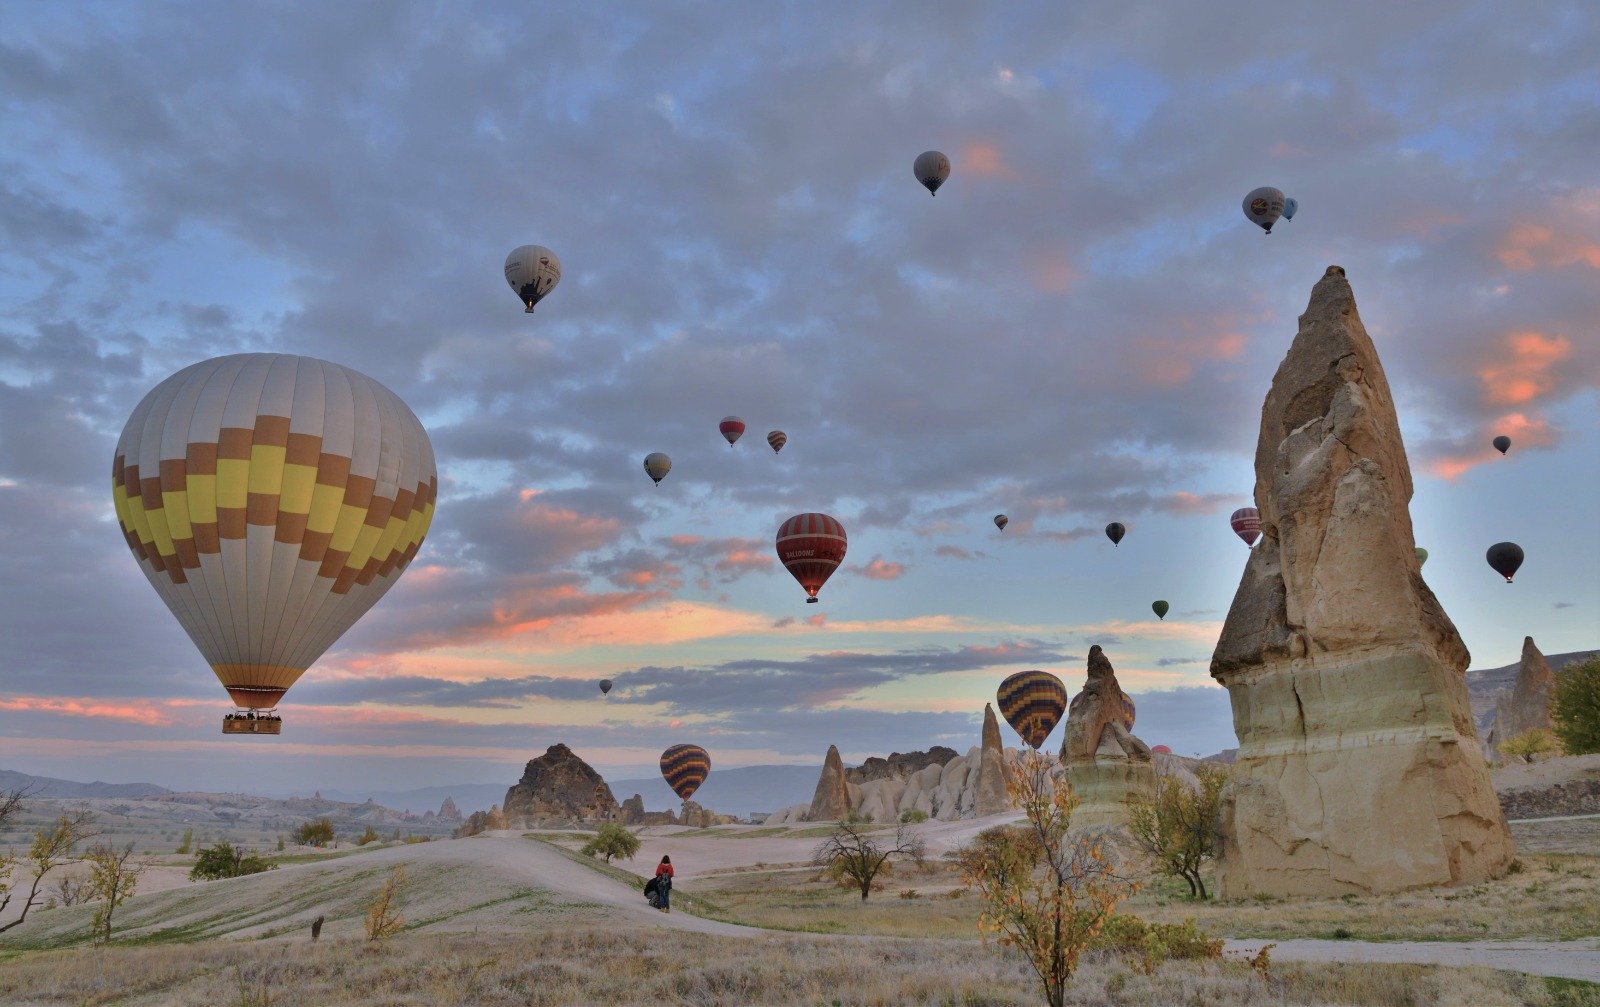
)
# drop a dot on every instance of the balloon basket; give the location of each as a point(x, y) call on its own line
point(252, 722)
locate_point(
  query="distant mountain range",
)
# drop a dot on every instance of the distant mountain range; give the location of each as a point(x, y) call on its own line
point(49, 786)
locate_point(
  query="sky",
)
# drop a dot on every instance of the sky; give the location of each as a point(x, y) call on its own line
point(1080, 328)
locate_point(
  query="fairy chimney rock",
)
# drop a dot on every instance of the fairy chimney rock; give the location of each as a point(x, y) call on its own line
point(1527, 708)
point(991, 798)
point(1357, 768)
point(831, 802)
point(558, 786)
point(1107, 766)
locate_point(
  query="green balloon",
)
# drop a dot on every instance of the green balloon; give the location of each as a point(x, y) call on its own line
point(1422, 556)
point(1160, 608)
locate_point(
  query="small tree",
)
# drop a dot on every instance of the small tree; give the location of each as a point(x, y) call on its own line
point(188, 842)
point(318, 833)
point(225, 860)
point(1176, 826)
point(51, 848)
point(852, 854)
point(612, 841)
point(280, 844)
point(383, 918)
point(369, 836)
point(1047, 896)
point(112, 877)
point(70, 891)
point(1575, 707)
point(1529, 745)
point(11, 804)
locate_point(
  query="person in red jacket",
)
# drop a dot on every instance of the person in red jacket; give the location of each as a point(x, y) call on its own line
point(664, 874)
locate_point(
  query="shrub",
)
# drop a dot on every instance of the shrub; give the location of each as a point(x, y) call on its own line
point(911, 893)
point(913, 816)
point(188, 842)
point(1529, 745)
point(410, 840)
point(1176, 940)
point(612, 841)
point(383, 919)
point(857, 818)
point(1575, 707)
point(225, 860)
point(369, 836)
point(318, 833)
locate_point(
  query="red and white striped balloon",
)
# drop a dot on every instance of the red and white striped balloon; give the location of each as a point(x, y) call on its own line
point(1246, 522)
point(811, 547)
point(732, 428)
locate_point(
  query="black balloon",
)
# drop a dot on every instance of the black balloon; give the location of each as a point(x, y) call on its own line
point(1502, 444)
point(1115, 531)
point(1505, 557)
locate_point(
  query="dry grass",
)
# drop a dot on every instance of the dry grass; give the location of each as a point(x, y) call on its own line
point(558, 966)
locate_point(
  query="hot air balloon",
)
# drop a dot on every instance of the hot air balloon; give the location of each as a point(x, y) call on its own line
point(605, 686)
point(732, 428)
point(684, 767)
point(1160, 608)
point(1000, 521)
point(931, 169)
point(1114, 531)
point(271, 500)
point(657, 465)
point(533, 271)
point(1160, 750)
point(1032, 703)
point(1290, 206)
point(776, 440)
point(1505, 558)
point(1502, 444)
point(1422, 556)
point(811, 546)
point(1246, 523)
point(1264, 206)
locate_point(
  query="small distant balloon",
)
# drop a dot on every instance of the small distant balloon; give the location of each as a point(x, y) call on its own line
point(1502, 444)
point(1246, 523)
point(1160, 608)
point(776, 440)
point(657, 465)
point(1115, 530)
point(1422, 557)
point(1264, 206)
point(732, 428)
point(1000, 521)
point(1160, 750)
point(1290, 205)
point(1505, 558)
point(532, 271)
point(931, 169)
point(605, 686)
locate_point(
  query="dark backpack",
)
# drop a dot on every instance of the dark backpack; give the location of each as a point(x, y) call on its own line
point(651, 887)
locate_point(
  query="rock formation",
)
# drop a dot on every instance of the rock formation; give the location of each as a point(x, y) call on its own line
point(448, 812)
point(1527, 706)
point(991, 797)
point(632, 812)
point(831, 802)
point(898, 766)
point(1358, 769)
point(1106, 765)
point(558, 787)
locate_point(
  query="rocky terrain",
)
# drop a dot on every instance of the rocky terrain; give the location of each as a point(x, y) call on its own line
point(558, 787)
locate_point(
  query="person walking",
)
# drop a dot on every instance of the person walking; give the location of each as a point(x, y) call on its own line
point(664, 874)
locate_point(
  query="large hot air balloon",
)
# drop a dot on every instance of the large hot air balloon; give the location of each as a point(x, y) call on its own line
point(605, 686)
point(1115, 530)
point(532, 271)
point(776, 440)
point(1000, 521)
point(684, 767)
point(1422, 557)
point(732, 428)
point(1505, 558)
point(1264, 206)
point(1291, 206)
point(1246, 523)
point(1032, 703)
point(1502, 444)
point(1160, 608)
point(931, 169)
point(811, 546)
point(657, 465)
point(271, 500)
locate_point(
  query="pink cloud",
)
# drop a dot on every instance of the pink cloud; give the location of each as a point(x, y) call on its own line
point(817, 620)
point(983, 160)
point(143, 712)
point(1525, 432)
point(1527, 371)
point(1537, 246)
point(880, 569)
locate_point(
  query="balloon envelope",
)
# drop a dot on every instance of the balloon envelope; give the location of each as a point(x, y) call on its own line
point(732, 428)
point(1032, 703)
point(1422, 556)
point(1160, 750)
point(931, 169)
point(532, 271)
point(1246, 523)
point(1115, 530)
point(811, 547)
point(684, 767)
point(271, 500)
point(1290, 207)
point(1502, 444)
point(605, 686)
point(657, 465)
point(1000, 521)
point(1505, 558)
point(1264, 206)
point(1160, 608)
point(776, 440)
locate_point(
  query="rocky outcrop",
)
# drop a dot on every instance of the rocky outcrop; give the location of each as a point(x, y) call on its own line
point(558, 787)
point(448, 812)
point(1568, 797)
point(1358, 769)
point(898, 766)
point(991, 797)
point(632, 810)
point(831, 802)
point(1527, 706)
point(1105, 764)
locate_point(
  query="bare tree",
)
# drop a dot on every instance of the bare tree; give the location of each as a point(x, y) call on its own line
point(70, 891)
point(853, 853)
point(11, 803)
point(113, 877)
point(51, 848)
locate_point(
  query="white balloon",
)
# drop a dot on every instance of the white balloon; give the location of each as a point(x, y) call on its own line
point(532, 271)
point(1264, 206)
point(931, 169)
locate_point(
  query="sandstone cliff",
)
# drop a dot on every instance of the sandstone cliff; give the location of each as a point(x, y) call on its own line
point(558, 787)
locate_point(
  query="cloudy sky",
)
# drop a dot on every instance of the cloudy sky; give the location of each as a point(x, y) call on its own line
point(1079, 329)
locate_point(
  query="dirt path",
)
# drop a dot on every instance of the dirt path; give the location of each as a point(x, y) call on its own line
point(1565, 959)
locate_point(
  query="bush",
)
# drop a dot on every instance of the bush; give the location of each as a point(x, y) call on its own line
point(1575, 707)
point(383, 919)
point(318, 833)
point(188, 842)
point(1529, 745)
point(913, 816)
point(1162, 940)
point(225, 860)
point(857, 818)
point(369, 836)
point(612, 841)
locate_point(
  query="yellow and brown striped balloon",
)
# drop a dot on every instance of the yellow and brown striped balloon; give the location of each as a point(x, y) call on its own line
point(684, 767)
point(1032, 703)
point(271, 500)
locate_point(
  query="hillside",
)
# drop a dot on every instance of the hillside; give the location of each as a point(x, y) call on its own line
point(729, 791)
point(49, 786)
